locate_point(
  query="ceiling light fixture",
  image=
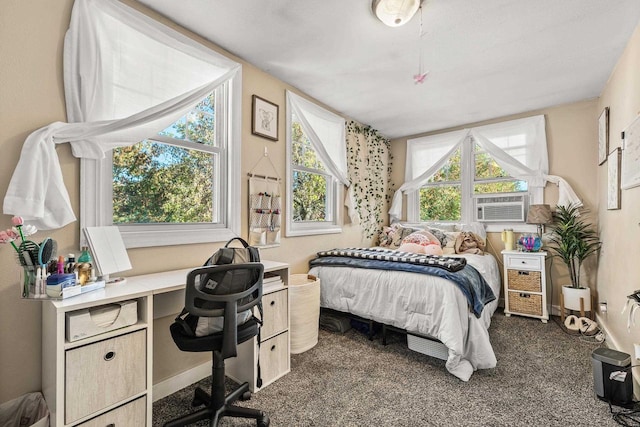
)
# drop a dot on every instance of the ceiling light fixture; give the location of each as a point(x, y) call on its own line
point(395, 12)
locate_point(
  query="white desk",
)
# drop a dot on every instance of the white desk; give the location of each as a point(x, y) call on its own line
point(97, 363)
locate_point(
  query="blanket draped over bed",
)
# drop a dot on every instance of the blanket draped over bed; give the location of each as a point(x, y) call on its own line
point(467, 278)
point(423, 304)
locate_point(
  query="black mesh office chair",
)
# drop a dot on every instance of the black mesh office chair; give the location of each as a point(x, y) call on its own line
point(214, 291)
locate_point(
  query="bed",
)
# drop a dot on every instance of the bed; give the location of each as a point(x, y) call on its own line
point(426, 305)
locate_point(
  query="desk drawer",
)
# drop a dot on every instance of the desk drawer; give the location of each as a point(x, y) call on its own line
point(274, 357)
point(524, 262)
point(104, 373)
point(275, 306)
point(133, 414)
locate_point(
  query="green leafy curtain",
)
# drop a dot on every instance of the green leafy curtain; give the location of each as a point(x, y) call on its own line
point(369, 161)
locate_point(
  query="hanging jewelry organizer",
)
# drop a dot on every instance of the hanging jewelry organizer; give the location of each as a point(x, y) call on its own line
point(265, 206)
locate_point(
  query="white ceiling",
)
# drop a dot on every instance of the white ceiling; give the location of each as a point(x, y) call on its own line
point(486, 59)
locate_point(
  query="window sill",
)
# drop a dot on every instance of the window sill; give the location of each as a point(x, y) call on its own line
point(313, 231)
point(167, 237)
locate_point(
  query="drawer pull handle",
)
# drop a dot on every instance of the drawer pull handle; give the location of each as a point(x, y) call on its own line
point(111, 425)
point(273, 347)
point(525, 296)
point(273, 303)
point(523, 273)
point(110, 356)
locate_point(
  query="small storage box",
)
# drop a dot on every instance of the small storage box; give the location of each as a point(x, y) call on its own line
point(520, 280)
point(89, 322)
point(524, 303)
point(427, 346)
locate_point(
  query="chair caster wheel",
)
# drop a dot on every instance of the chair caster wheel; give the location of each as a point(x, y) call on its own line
point(245, 396)
point(263, 422)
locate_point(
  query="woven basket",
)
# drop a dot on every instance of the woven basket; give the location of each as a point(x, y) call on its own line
point(304, 299)
point(524, 280)
point(525, 303)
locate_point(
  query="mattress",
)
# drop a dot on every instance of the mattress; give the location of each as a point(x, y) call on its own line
point(419, 303)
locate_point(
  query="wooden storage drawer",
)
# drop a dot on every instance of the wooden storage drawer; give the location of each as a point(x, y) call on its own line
point(524, 262)
point(276, 313)
point(104, 373)
point(133, 414)
point(524, 303)
point(274, 357)
point(523, 280)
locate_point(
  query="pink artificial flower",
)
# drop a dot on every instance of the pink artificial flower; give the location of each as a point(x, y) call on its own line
point(9, 236)
point(4, 237)
point(17, 220)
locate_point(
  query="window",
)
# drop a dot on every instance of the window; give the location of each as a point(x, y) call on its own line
point(314, 191)
point(441, 198)
point(175, 187)
point(449, 170)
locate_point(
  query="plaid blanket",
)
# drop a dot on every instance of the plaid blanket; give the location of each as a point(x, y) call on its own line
point(381, 254)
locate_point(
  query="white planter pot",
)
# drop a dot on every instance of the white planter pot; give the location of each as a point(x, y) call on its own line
point(572, 298)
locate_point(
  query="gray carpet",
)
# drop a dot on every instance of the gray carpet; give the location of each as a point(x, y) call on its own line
point(543, 378)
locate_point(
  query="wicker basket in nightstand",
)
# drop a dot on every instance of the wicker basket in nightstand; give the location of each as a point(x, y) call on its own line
point(525, 288)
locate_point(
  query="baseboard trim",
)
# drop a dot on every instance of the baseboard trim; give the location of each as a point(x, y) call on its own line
point(180, 381)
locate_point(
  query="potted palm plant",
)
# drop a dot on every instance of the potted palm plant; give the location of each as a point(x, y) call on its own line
point(573, 240)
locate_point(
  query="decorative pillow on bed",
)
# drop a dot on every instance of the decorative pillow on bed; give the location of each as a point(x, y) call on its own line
point(399, 233)
point(421, 242)
point(448, 248)
point(384, 237)
point(439, 234)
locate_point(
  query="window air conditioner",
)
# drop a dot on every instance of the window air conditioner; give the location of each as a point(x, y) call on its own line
point(507, 207)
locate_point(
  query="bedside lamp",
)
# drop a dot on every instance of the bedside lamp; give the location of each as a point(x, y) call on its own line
point(540, 215)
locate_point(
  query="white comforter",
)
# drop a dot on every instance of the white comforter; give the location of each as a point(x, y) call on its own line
point(419, 303)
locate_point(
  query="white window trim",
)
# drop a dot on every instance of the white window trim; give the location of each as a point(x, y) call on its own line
point(294, 229)
point(96, 193)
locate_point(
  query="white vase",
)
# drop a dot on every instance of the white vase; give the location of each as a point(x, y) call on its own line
point(572, 298)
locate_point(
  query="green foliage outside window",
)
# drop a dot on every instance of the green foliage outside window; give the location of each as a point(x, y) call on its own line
point(309, 188)
point(156, 182)
point(441, 197)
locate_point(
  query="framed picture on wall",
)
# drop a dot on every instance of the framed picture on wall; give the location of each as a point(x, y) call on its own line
point(603, 136)
point(613, 191)
point(264, 118)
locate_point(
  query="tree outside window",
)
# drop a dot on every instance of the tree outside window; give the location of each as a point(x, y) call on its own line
point(173, 177)
point(311, 182)
point(441, 199)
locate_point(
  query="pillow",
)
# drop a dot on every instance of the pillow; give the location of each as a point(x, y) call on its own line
point(384, 237)
point(398, 234)
point(422, 237)
point(449, 247)
point(421, 242)
point(439, 234)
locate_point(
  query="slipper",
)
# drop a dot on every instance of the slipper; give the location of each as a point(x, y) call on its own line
point(572, 324)
point(587, 326)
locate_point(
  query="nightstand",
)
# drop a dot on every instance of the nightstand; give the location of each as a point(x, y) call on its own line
point(525, 284)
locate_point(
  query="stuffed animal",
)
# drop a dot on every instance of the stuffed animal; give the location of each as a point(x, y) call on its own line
point(468, 242)
point(421, 242)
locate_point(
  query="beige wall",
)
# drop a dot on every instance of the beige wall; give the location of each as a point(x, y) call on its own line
point(572, 146)
point(31, 96)
point(619, 269)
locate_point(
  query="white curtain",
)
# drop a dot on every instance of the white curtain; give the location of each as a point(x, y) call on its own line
point(425, 156)
point(518, 146)
point(327, 134)
point(126, 78)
